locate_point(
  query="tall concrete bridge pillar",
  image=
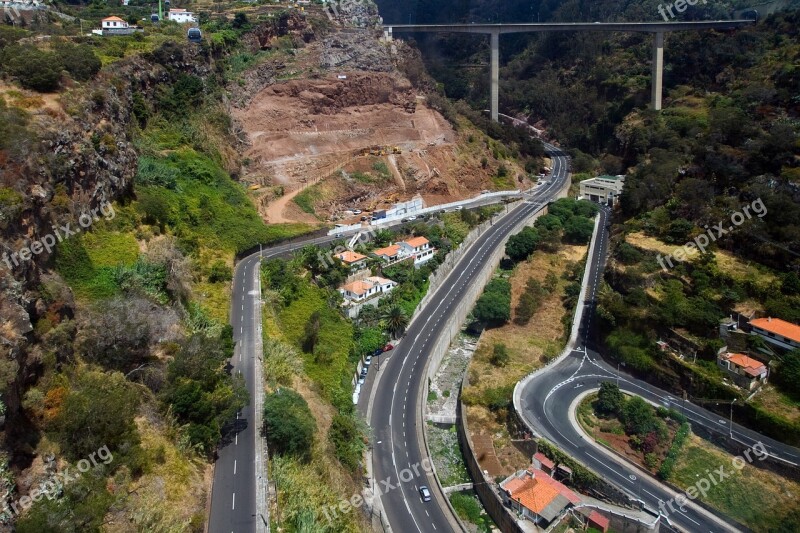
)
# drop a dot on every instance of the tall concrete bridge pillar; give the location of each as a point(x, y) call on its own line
point(657, 76)
point(495, 103)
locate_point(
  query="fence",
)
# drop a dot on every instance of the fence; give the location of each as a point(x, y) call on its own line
point(428, 210)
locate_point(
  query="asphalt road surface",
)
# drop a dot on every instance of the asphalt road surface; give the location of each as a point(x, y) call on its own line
point(398, 458)
point(547, 398)
point(233, 497)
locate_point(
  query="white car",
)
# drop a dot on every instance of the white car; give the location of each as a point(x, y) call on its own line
point(356, 211)
point(459, 207)
point(412, 217)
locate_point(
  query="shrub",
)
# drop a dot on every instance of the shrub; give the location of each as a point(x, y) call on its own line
point(493, 308)
point(347, 440)
point(289, 424)
point(80, 61)
point(520, 246)
point(34, 68)
point(500, 355)
point(610, 400)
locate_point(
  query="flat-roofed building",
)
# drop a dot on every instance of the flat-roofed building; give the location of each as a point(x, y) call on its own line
point(602, 189)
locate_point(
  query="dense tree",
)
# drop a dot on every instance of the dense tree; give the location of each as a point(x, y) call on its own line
point(289, 424)
point(34, 68)
point(493, 308)
point(97, 410)
point(79, 60)
point(520, 246)
point(610, 400)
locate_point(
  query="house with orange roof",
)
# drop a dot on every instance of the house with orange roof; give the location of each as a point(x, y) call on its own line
point(743, 370)
point(419, 248)
point(537, 497)
point(114, 23)
point(352, 259)
point(778, 332)
point(389, 254)
point(366, 289)
point(542, 462)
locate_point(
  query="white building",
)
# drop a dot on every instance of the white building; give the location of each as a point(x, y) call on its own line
point(419, 248)
point(777, 332)
point(181, 16)
point(602, 189)
point(114, 23)
point(360, 291)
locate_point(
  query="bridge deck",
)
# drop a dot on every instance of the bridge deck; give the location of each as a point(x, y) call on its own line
point(646, 27)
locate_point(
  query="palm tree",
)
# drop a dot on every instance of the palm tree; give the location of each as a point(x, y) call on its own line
point(396, 320)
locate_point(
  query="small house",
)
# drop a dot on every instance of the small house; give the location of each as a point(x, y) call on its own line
point(181, 16)
point(114, 23)
point(745, 371)
point(352, 259)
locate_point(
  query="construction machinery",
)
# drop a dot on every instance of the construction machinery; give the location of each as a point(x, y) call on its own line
point(377, 150)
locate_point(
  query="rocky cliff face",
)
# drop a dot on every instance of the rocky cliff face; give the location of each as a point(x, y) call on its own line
point(80, 156)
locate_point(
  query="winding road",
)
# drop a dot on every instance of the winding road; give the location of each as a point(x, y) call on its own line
point(399, 459)
point(238, 498)
point(549, 398)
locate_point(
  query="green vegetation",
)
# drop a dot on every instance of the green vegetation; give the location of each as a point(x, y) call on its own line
point(500, 355)
point(446, 455)
point(757, 498)
point(307, 197)
point(201, 396)
point(289, 424)
point(493, 308)
point(469, 509)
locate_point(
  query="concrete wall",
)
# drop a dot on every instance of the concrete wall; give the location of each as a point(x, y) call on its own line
point(433, 209)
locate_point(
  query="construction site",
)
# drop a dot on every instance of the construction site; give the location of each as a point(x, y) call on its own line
point(331, 126)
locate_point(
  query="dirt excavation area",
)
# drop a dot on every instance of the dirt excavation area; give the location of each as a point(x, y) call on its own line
point(348, 131)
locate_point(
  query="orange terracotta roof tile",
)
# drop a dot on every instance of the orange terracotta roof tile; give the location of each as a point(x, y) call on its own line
point(358, 287)
point(389, 251)
point(350, 257)
point(416, 241)
point(752, 366)
point(778, 327)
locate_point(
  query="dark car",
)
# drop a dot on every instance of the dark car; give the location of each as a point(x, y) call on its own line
point(377, 352)
point(425, 493)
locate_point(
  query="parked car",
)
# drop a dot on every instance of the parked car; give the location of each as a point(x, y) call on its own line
point(388, 347)
point(368, 360)
point(412, 217)
point(364, 219)
point(362, 378)
point(356, 211)
point(339, 235)
point(459, 207)
point(425, 493)
point(377, 352)
point(405, 219)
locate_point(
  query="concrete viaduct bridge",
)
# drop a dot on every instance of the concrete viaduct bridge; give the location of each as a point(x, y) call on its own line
point(658, 29)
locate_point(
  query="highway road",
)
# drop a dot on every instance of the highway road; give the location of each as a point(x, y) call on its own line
point(236, 472)
point(547, 398)
point(399, 459)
